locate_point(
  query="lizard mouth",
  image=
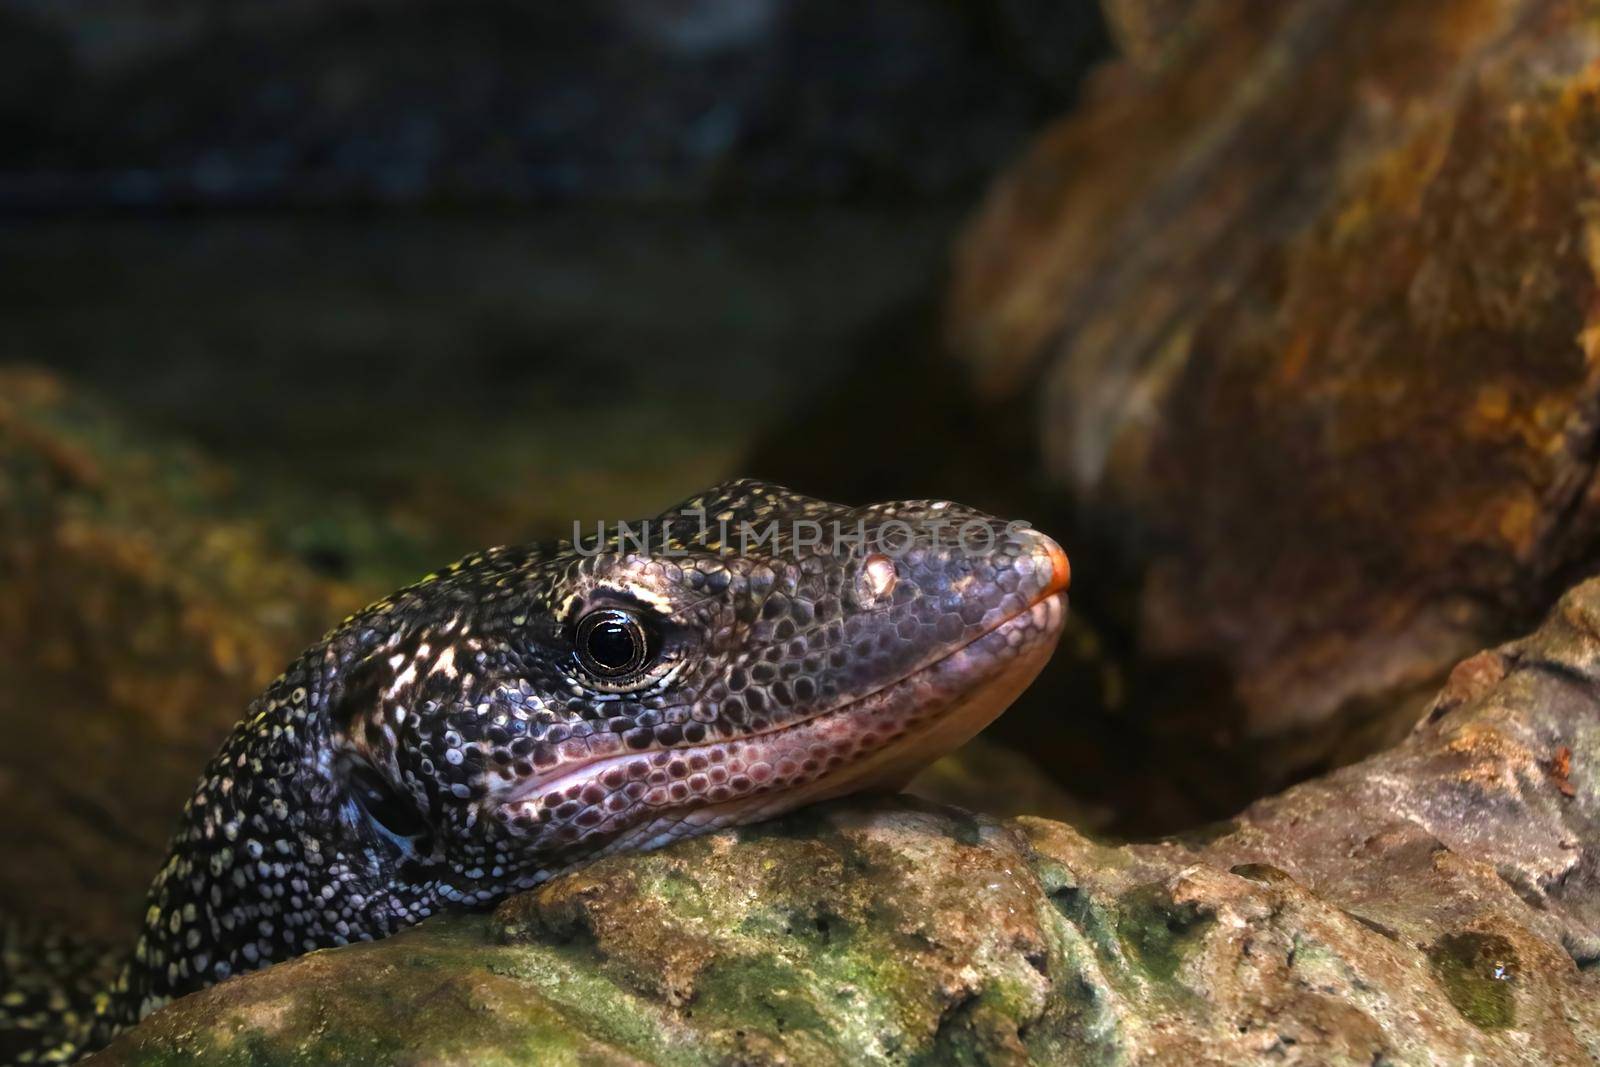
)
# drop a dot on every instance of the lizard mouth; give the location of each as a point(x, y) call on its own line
point(876, 741)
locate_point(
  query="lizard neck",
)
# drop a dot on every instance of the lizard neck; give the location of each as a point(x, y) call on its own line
point(265, 866)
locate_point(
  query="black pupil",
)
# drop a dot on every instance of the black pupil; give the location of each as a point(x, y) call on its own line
point(613, 644)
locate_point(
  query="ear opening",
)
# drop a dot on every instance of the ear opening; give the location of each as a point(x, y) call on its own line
point(360, 718)
point(390, 810)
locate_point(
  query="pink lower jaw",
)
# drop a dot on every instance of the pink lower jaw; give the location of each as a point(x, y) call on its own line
point(874, 741)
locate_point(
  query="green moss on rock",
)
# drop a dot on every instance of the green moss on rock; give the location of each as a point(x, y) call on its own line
point(1158, 932)
point(1479, 973)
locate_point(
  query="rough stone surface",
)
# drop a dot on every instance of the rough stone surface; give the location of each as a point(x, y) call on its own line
point(1308, 313)
point(1437, 904)
point(139, 613)
point(1152, 34)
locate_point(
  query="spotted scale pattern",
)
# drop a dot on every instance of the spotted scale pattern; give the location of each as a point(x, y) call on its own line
point(447, 746)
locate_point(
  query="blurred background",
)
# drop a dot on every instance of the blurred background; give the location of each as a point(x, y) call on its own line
point(1275, 312)
point(490, 269)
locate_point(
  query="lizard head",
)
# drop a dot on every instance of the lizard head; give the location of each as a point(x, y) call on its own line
point(530, 708)
point(746, 652)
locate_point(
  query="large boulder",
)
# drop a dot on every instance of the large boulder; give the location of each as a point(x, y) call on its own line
point(1303, 300)
point(1436, 904)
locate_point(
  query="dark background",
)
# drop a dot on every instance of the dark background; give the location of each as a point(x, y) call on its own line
point(507, 263)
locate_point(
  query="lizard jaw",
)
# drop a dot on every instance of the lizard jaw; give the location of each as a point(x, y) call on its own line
point(874, 743)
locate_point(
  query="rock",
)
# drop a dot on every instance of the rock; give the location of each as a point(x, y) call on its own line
point(139, 614)
point(819, 939)
point(1436, 904)
point(1151, 34)
point(1309, 316)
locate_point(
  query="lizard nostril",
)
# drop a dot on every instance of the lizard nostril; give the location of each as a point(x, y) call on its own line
point(876, 579)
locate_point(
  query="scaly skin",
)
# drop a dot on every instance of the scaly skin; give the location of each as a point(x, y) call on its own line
point(449, 745)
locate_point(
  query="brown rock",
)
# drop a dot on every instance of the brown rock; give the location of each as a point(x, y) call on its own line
point(1437, 904)
point(138, 616)
point(1154, 33)
point(1312, 314)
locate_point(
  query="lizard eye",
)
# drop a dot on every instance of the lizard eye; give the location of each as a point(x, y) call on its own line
point(611, 643)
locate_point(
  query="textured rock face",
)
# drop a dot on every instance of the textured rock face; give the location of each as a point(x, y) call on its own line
point(138, 614)
point(1434, 904)
point(1310, 308)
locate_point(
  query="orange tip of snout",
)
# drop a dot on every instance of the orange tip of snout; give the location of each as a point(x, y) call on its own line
point(1061, 569)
